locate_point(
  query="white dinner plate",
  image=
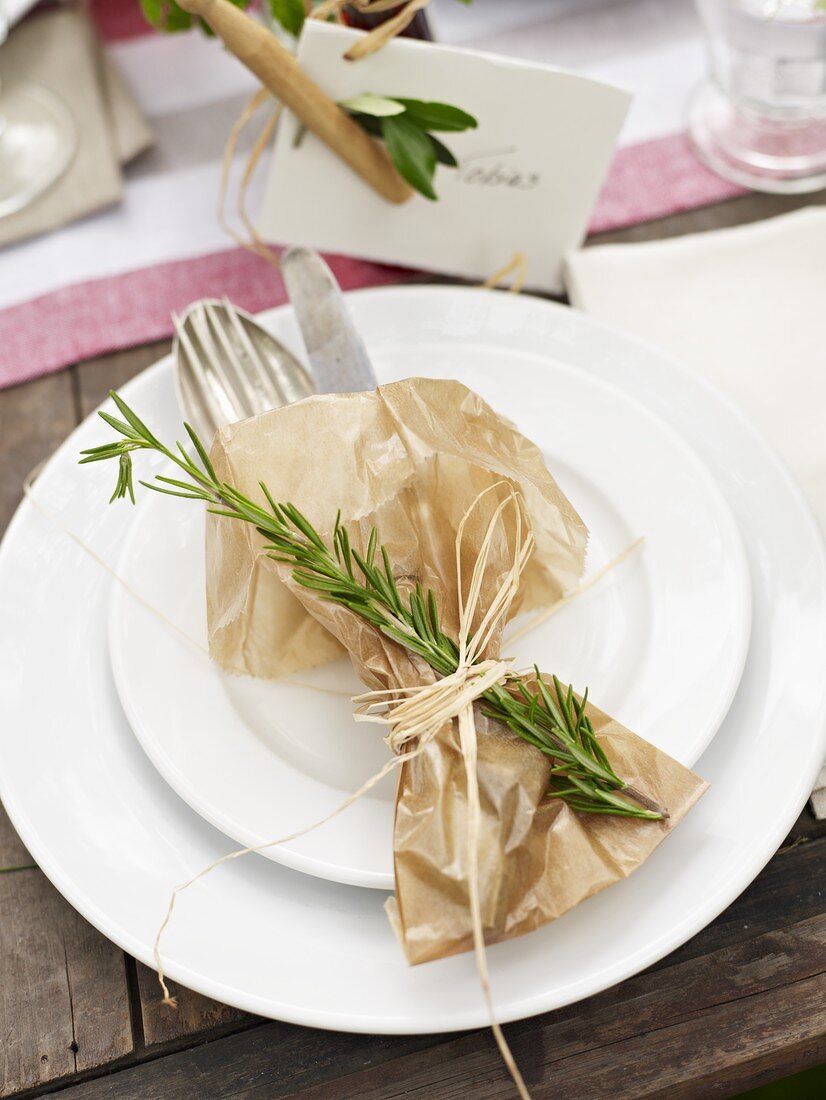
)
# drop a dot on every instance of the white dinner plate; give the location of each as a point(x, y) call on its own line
point(660, 643)
point(114, 838)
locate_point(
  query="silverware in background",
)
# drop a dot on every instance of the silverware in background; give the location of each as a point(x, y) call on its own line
point(228, 367)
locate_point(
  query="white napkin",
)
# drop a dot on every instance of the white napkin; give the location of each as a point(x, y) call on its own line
point(58, 49)
point(746, 308)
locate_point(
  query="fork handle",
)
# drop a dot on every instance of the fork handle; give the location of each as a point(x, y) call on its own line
point(279, 71)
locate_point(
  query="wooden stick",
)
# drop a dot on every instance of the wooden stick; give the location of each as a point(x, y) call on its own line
point(279, 71)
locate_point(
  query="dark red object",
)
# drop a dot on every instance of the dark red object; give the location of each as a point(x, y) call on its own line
point(418, 27)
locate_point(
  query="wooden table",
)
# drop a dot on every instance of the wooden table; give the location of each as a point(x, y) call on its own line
point(742, 1003)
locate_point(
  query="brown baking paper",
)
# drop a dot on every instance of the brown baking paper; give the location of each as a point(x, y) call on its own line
point(410, 459)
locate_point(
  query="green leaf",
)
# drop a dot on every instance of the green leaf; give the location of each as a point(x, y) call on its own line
point(165, 15)
point(290, 14)
point(369, 123)
point(443, 154)
point(140, 429)
point(437, 116)
point(378, 106)
point(412, 152)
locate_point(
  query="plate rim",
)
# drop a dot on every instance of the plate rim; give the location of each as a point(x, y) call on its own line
point(796, 793)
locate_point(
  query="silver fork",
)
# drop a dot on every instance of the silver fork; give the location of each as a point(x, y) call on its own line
point(228, 368)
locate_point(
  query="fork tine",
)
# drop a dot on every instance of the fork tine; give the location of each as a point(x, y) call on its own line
point(194, 379)
point(281, 370)
point(248, 400)
point(228, 368)
point(214, 367)
point(273, 392)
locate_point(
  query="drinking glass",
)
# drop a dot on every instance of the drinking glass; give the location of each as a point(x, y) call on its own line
point(38, 139)
point(760, 119)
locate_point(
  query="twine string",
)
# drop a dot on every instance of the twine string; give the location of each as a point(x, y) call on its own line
point(517, 266)
point(468, 745)
point(252, 243)
point(416, 721)
point(583, 586)
point(56, 522)
point(392, 763)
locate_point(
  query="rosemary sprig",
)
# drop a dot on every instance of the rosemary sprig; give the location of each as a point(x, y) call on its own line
point(546, 714)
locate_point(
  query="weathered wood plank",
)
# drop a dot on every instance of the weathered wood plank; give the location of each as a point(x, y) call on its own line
point(698, 1020)
point(96, 979)
point(35, 1009)
point(788, 890)
point(12, 850)
point(97, 376)
point(34, 419)
point(807, 827)
point(63, 997)
point(194, 1015)
point(265, 1061)
point(742, 1014)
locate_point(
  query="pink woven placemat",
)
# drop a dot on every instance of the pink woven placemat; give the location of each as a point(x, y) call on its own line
point(87, 319)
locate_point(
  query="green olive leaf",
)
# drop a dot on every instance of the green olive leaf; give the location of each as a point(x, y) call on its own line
point(369, 123)
point(437, 116)
point(443, 154)
point(378, 106)
point(165, 15)
point(290, 14)
point(412, 152)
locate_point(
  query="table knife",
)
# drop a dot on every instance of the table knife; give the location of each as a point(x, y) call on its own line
point(338, 359)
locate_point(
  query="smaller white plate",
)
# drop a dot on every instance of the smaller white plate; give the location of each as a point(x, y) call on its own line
point(660, 642)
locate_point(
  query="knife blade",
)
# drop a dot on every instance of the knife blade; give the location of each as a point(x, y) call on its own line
point(338, 359)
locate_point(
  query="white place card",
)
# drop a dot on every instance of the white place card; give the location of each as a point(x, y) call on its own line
point(527, 180)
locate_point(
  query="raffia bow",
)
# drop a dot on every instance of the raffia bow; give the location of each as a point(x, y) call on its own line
point(426, 708)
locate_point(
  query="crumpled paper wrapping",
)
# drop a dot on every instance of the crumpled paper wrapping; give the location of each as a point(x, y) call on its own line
point(410, 458)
